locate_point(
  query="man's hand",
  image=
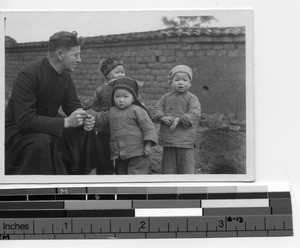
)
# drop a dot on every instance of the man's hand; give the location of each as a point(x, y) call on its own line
point(89, 122)
point(167, 119)
point(75, 119)
point(148, 149)
point(174, 124)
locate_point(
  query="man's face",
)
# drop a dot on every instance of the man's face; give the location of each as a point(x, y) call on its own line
point(71, 58)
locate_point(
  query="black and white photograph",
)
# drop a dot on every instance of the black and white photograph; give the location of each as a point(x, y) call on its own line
point(149, 123)
point(128, 96)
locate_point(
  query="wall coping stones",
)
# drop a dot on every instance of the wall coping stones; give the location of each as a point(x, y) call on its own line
point(214, 34)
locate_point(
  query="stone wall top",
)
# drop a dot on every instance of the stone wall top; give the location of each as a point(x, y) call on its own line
point(215, 34)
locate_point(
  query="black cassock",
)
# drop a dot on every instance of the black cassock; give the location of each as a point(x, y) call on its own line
point(36, 141)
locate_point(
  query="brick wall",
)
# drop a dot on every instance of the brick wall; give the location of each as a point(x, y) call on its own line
point(218, 64)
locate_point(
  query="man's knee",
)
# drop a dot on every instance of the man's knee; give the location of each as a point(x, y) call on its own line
point(40, 141)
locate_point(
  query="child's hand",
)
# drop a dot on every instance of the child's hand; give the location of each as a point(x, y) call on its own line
point(148, 149)
point(89, 122)
point(174, 124)
point(168, 120)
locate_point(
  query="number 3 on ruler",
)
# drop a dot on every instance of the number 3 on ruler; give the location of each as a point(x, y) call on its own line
point(221, 223)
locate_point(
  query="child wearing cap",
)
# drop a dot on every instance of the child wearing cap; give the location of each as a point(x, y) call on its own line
point(111, 69)
point(178, 112)
point(131, 129)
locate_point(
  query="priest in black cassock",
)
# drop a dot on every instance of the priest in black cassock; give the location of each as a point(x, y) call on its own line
point(39, 140)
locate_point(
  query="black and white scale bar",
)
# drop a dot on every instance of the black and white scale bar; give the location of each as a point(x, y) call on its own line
point(5, 196)
point(277, 205)
point(146, 193)
point(140, 212)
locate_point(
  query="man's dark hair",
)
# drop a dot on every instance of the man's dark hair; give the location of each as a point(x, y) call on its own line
point(63, 40)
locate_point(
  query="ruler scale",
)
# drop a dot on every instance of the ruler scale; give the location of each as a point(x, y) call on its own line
point(145, 212)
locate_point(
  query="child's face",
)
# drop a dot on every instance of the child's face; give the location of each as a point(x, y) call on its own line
point(123, 99)
point(181, 82)
point(118, 71)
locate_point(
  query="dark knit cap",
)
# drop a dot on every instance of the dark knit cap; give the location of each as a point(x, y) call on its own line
point(128, 84)
point(108, 64)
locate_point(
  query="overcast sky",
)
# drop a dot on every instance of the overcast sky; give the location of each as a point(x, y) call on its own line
point(28, 26)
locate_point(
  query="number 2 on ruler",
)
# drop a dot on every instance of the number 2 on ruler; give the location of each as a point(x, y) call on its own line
point(143, 223)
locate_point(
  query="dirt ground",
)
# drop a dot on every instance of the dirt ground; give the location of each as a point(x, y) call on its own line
point(218, 151)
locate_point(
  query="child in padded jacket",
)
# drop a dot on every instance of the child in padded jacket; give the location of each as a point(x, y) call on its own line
point(132, 133)
point(178, 112)
point(111, 69)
